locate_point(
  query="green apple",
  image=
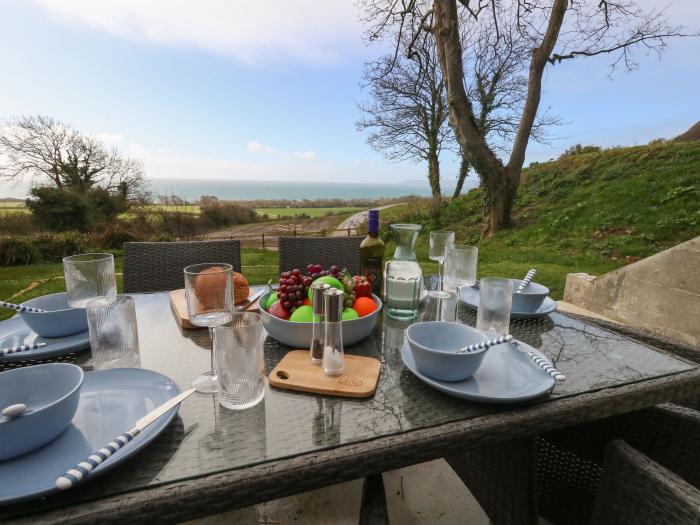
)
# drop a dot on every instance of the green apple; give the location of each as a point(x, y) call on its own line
point(271, 298)
point(303, 314)
point(349, 314)
point(335, 283)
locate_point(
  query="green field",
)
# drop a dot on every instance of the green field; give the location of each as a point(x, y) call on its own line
point(276, 213)
point(7, 207)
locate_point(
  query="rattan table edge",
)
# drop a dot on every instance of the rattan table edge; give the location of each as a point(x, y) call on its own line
point(179, 501)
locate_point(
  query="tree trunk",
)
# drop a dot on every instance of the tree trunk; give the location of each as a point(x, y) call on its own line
point(501, 182)
point(501, 189)
point(463, 172)
point(434, 180)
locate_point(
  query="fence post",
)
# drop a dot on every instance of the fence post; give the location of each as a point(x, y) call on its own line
point(348, 232)
point(295, 230)
point(263, 240)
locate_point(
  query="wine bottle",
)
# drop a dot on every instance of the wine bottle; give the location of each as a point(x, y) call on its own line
point(372, 254)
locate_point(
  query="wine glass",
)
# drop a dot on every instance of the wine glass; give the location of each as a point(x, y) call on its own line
point(209, 294)
point(460, 266)
point(439, 240)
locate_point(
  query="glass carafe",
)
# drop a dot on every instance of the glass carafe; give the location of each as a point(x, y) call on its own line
point(403, 275)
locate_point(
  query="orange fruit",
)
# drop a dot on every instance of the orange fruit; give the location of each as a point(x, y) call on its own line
point(364, 306)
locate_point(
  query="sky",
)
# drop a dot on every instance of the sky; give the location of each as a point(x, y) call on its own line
point(213, 90)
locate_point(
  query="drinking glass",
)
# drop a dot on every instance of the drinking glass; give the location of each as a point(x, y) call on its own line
point(439, 240)
point(209, 294)
point(495, 298)
point(460, 267)
point(441, 306)
point(240, 367)
point(114, 338)
point(88, 276)
point(402, 290)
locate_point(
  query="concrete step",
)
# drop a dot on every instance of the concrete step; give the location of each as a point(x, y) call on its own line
point(429, 493)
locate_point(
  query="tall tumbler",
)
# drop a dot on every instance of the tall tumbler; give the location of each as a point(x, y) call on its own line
point(114, 338)
point(495, 301)
point(89, 276)
point(239, 361)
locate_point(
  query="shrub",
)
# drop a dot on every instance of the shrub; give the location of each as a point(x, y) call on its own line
point(217, 215)
point(60, 209)
point(56, 209)
point(16, 250)
point(17, 224)
point(114, 235)
point(53, 247)
point(578, 149)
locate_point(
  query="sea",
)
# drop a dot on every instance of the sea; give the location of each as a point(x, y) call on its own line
point(192, 189)
point(229, 189)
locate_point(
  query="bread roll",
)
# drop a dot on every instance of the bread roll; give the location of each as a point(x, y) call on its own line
point(241, 289)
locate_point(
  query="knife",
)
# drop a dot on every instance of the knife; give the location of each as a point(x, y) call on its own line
point(246, 304)
point(83, 469)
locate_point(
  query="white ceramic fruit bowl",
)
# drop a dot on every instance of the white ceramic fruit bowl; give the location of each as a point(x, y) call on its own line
point(298, 335)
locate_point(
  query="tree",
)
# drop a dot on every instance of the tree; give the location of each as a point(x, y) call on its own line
point(552, 30)
point(407, 118)
point(45, 150)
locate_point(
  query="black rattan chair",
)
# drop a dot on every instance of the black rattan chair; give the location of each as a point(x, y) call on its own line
point(298, 252)
point(157, 266)
point(570, 461)
point(634, 490)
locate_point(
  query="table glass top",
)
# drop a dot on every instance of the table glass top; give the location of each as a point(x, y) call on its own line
point(207, 438)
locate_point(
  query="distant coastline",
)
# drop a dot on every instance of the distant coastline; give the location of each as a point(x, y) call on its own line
point(192, 189)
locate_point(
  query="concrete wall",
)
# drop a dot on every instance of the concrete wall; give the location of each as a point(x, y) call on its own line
point(660, 293)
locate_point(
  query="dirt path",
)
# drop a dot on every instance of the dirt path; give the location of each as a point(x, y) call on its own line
point(354, 221)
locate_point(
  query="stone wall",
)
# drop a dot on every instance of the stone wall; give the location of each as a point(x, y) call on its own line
point(660, 293)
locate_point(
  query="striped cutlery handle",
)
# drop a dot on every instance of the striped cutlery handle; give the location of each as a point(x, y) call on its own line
point(83, 469)
point(20, 308)
point(485, 344)
point(21, 348)
point(528, 277)
point(548, 367)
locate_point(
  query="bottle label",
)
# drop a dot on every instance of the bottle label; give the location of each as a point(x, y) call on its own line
point(372, 269)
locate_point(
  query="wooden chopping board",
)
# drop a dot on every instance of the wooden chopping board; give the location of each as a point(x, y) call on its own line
point(296, 372)
point(178, 304)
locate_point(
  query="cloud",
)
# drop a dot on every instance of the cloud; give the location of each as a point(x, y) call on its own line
point(110, 138)
point(310, 31)
point(257, 147)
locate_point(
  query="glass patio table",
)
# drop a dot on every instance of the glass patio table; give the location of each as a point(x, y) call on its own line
point(211, 459)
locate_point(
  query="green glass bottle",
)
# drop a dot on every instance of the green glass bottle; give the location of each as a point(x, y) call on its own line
point(372, 254)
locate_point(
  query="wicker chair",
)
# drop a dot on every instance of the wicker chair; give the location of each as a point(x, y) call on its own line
point(297, 252)
point(635, 490)
point(558, 473)
point(570, 461)
point(157, 266)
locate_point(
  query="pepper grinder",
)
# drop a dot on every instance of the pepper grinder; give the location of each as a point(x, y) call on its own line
point(318, 322)
point(333, 356)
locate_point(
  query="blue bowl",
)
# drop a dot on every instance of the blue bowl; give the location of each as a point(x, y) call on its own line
point(51, 393)
point(298, 335)
point(530, 299)
point(434, 347)
point(59, 320)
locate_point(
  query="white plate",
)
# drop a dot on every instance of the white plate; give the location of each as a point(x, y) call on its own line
point(506, 375)
point(14, 332)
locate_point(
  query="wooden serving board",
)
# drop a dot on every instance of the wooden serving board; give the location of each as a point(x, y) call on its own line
point(296, 372)
point(178, 304)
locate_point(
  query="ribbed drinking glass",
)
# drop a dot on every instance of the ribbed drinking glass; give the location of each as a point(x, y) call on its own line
point(240, 366)
point(114, 338)
point(88, 276)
